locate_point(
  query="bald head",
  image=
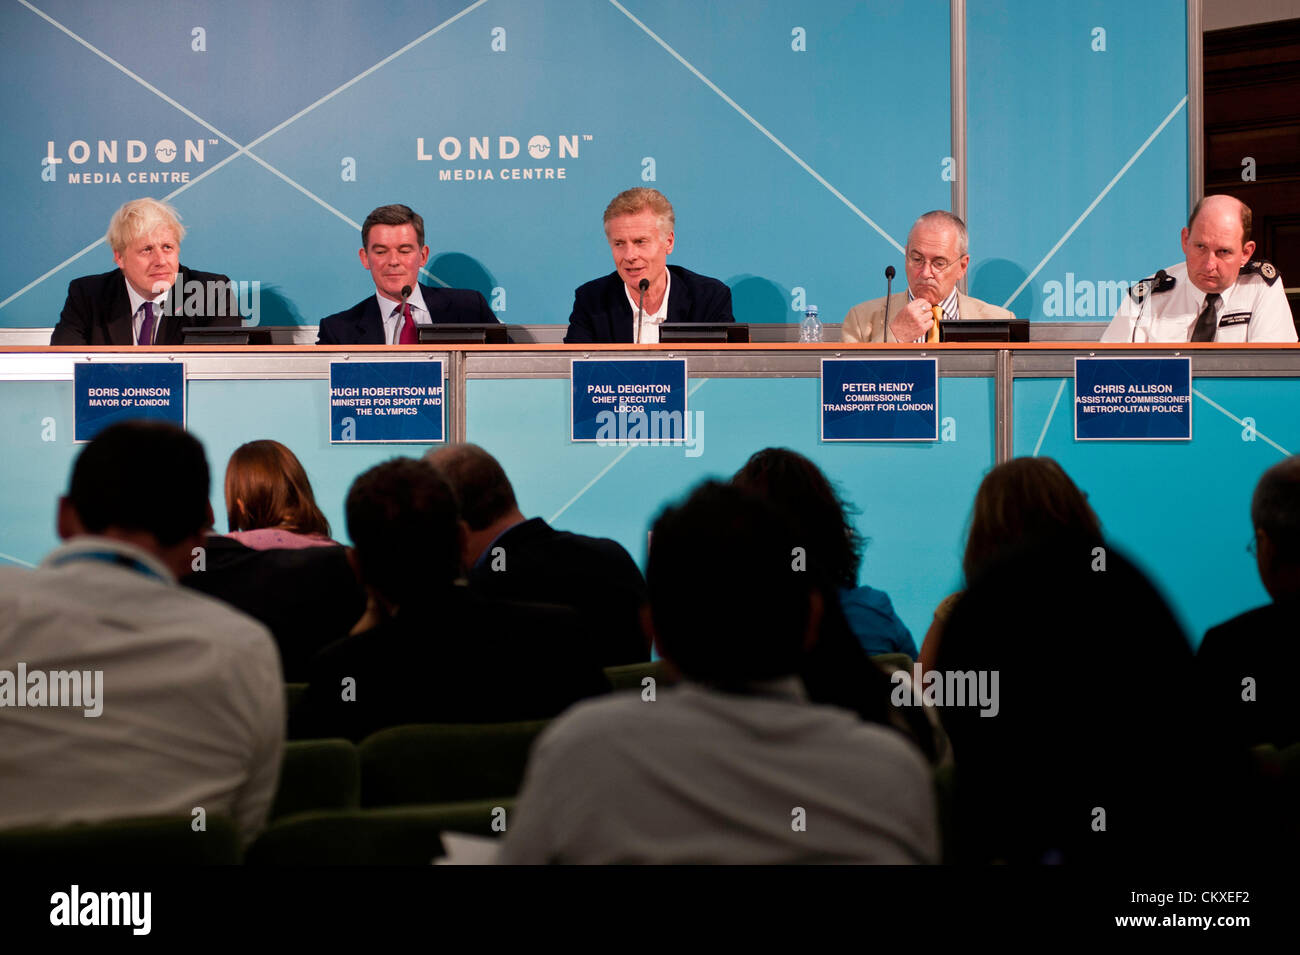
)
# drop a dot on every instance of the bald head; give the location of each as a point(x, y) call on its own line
point(1223, 209)
point(1216, 242)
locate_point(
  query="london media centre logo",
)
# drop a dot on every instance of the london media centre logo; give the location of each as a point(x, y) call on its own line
point(503, 157)
point(131, 160)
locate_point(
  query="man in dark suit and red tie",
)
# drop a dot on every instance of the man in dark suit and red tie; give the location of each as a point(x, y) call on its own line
point(150, 297)
point(393, 252)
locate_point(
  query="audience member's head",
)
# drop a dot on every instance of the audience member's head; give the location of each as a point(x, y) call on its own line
point(798, 489)
point(727, 606)
point(1096, 749)
point(405, 529)
point(1275, 513)
point(480, 483)
point(487, 501)
point(266, 486)
point(1022, 501)
point(142, 482)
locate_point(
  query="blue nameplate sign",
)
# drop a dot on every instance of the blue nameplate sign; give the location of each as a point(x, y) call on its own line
point(386, 402)
point(633, 401)
point(880, 399)
point(105, 394)
point(1132, 399)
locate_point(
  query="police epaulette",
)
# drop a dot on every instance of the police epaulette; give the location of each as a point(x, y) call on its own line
point(1263, 268)
point(1162, 281)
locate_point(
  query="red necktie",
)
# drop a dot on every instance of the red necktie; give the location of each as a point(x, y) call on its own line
point(408, 335)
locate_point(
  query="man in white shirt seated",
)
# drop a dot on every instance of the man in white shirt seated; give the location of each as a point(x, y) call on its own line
point(734, 765)
point(1216, 295)
point(393, 252)
point(122, 693)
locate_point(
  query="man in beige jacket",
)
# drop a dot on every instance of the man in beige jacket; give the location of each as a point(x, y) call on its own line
point(936, 258)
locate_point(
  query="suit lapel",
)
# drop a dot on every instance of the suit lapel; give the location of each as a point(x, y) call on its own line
point(621, 314)
point(370, 328)
point(169, 327)
point(118, 321)
point(679, 301)
point(435, 303)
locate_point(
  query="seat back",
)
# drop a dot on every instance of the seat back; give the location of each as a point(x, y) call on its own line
point(406, 835)
point(318, 774)
point(152, 840)
point(629, 676)
point(445, 762)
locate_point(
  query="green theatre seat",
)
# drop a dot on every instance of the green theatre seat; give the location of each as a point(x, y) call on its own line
point(406, 835)
point(445, 762)
point(318, 774)
point(153, 840)
point(629, 676)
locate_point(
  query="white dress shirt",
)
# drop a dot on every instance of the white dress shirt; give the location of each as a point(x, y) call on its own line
point(391, 312)
point(650, 321)
point(701, 776)
point(192, 703)
point(137, 311)
point(1249, 310)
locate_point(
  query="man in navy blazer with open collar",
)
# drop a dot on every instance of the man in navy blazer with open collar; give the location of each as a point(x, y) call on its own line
point(393, 251)
point(639, 227)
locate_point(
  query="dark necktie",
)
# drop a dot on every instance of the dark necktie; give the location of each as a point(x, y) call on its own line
point(146, 328)
point(1207, 323)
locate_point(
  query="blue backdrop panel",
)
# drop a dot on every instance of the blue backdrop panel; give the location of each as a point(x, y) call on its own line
point(1052, 123)
point(222, 415)
point(33, 470)
point(1181, 509)
point(914, 498)
point(225, 414)
point(773, 128)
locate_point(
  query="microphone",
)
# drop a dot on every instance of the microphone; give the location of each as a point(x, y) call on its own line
point(889, 286)
point(406, 292)
point(1157, 284)
point(640, 309)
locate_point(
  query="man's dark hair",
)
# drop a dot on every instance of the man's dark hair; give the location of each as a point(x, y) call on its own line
point(142, 476)
point(1275, 508)
point(728, 605)
point(403, 521)
point(797, 487)
point(479, 481)
point(392, 215)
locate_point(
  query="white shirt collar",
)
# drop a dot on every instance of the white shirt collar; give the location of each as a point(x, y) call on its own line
point(392, 318)
point(137, 300)
point(650, 321)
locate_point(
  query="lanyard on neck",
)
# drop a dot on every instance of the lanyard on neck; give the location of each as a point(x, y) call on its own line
point(109, 557)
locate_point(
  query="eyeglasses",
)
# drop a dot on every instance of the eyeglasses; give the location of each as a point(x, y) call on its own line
point(1251, 548)
point(937, 265)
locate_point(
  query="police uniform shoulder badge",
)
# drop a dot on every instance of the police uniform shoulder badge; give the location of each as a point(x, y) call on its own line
point(1162, 281)
point(1263, 268)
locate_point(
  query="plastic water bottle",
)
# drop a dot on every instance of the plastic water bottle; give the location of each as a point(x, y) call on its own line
point(810, 329)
